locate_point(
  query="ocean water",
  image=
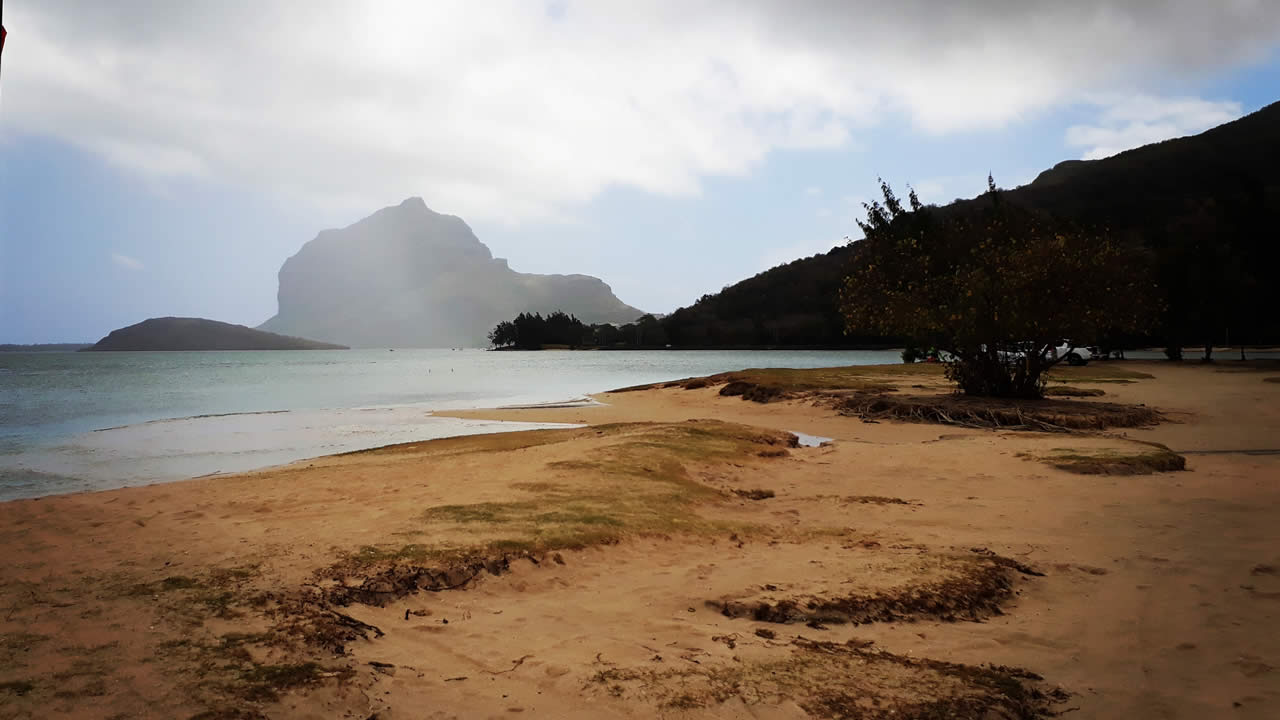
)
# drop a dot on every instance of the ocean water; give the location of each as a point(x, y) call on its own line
point(72, 422)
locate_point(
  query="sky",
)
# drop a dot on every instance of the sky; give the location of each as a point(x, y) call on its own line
point(163, 158)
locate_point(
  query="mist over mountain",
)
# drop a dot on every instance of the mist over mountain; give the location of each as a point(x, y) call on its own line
point(407, 276)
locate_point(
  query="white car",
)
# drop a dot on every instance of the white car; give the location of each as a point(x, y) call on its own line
point(1072, 353)
point(1065, 350)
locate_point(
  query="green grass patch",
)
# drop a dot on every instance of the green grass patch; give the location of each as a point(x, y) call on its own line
point(1108, 461)
point(637, 482)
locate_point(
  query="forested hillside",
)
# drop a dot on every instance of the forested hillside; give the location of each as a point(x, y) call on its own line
point(1207, 207)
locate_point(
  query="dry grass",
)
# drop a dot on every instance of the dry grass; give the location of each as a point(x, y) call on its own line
point(967, 587)
point(790, 380)
point(766, 385)
point(1271, 379)
point(221, 673)
point(1069, 391)
point(637, 483)
point(1154, 458)
point(851, 680)
point(1096, 373)
point(1042, 415)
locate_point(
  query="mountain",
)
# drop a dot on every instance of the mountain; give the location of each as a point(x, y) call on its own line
point(1207, 206)
point(173, 333)
point(410, 277)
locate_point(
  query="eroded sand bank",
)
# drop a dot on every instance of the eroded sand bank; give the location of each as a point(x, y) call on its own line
point(617, 571)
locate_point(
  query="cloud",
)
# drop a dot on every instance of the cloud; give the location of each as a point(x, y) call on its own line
point(1133, 122)
point(126, 262)
point(516, 111)
point(813, 191)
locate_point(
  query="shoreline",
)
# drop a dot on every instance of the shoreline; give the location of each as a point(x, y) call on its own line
point(675, 524)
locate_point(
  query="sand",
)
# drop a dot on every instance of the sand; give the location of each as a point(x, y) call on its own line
point(1158, 595)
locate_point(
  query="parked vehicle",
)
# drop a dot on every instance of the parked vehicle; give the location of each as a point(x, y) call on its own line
point(1069, 352)
point(1065, 350)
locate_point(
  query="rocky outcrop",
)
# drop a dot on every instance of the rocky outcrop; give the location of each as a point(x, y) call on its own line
point(410, 277)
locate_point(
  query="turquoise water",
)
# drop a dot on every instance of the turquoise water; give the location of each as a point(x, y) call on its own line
point(83, 421)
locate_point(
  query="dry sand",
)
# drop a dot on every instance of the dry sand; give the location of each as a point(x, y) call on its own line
point(1159, 598)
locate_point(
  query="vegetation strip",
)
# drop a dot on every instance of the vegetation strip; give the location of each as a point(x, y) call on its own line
point(843, 680)
point(974, 592)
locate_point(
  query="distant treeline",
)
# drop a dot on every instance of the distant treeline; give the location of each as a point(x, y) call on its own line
point(1204, 208)
point(532, 331)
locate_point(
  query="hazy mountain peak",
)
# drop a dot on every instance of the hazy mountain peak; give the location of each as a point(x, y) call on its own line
point(409, 276)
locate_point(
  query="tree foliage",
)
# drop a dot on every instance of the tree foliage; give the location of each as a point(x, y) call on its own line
point(530, 331)
point(996, 288)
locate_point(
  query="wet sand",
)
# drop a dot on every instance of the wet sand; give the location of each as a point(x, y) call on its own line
point(1159, 595)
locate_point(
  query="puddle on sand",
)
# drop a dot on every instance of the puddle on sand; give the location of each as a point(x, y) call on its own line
point(807, 440)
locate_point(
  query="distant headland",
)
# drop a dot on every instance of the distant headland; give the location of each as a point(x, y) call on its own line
point(174, 333)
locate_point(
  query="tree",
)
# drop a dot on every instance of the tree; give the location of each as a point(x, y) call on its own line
point(503, 334)
point(996, 287)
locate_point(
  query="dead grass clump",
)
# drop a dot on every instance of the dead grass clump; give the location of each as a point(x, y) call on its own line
point(223, 674)
point(17, 687)
point(756, 494)
point(975, 589)
point(1043, 415)
point(216, 593)
point(771, 384)
point(875, 500)
point(1112, 462)
point(754, 392)
point(1068, 391)
point(1271, 379)
point(850, 680)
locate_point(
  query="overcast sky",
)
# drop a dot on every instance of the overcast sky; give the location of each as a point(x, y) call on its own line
point(164, 158)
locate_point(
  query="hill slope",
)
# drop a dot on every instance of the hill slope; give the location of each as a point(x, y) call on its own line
point(1206, 205)
point(174, 333)
point(410, 277)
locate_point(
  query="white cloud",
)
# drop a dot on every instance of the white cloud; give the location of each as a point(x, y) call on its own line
point(126, 262)
point(1132, 122)
point(813, 191)
point(508, 111)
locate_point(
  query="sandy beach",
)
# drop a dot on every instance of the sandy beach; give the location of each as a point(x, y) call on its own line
point(680, 556)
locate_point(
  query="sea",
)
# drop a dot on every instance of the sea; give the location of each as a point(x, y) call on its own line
point(75, 422)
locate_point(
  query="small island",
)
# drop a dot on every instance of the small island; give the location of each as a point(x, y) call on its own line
point(175, 333)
